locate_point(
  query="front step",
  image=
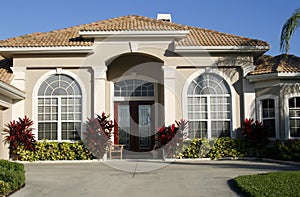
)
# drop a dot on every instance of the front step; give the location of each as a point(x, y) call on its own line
point(137, 155)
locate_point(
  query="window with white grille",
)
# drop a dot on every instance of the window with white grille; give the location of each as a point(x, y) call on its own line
point(209, 107)
point(59, 108)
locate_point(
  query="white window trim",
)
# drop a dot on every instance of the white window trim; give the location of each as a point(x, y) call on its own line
point(234, 99)
point(286, 114)
point(35, 96)
point(259, 111)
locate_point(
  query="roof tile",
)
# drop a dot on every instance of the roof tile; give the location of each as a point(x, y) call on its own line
point(278, 64)
point(70, 36)
point(5, 71)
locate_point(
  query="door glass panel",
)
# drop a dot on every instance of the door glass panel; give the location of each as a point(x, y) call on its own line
point(124, 125)
point(144, 126)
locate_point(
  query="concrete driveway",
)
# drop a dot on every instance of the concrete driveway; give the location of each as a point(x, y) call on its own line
point(139, 178)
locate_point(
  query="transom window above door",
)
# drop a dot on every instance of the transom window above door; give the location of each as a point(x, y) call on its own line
point(59, 108)
point(133, 88)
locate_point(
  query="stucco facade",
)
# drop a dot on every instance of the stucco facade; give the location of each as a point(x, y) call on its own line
point(143, 78)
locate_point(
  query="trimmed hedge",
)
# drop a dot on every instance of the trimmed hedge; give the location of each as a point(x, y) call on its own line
point(55, 151)
point(270, 184)
point(12, 177)
point(214, 149)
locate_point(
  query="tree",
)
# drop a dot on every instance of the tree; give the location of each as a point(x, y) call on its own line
point(288, 30)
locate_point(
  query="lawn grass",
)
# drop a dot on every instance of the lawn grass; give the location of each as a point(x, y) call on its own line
point(270, 184)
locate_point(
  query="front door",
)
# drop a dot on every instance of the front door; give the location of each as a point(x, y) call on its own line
point(134, 125)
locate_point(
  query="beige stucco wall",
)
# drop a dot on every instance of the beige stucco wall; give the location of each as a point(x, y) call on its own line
point(280, 89)
point(152, 57)
point(5, 117)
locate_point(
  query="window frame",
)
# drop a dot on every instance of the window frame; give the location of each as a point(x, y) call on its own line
point(287, 117)
point(35, 95)
point(260, 112)
point(209, 120)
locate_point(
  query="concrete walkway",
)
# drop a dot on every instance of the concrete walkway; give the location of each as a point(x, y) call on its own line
point(141, 178)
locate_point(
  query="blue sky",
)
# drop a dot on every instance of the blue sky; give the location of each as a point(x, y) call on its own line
point(257, 19)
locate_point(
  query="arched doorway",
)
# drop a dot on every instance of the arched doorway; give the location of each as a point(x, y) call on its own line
point(137, 100)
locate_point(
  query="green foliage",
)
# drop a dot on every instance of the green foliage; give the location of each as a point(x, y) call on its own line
point(12, 176)
point(288, 29)
point(55, 151)
point(19, 133)
point(4, 188)
point(284, 150)
point(226, 147)
point(270, 184)
point(214, 149)
point(196, 148)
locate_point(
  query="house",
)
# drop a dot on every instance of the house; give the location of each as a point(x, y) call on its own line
point(145, 73)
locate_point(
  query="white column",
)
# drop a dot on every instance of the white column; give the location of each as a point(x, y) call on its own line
point(18, 109)
point(169, 95)
point(99, 89)
point(249, 95)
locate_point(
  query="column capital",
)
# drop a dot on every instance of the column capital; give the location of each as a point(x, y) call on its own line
point(99, 72)
point(19, 72)
point(247, 69)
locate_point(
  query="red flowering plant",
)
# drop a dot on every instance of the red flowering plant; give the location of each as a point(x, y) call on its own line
point(170, 138)
point(97, 134)
point(17, 134)
point(255, 135)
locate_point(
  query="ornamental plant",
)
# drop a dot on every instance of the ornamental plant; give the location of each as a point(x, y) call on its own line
point(19, 134)
point(97, 135)
point(171, 137)
point(255, 135)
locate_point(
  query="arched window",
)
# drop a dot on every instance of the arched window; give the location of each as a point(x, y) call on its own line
point(59, 108)
point(209, 107)
point(134, 87)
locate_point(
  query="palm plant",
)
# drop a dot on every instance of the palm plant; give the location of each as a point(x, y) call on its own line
point(288, 30)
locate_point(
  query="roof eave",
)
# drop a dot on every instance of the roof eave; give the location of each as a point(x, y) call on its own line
point(177, 34)
point(268, 76)
point(8, 52)
point(221, 49)
point(11, 92)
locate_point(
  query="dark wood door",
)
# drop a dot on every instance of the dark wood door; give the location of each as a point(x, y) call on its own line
point(134, 125)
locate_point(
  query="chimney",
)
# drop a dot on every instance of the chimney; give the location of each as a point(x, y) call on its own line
point(164, 17)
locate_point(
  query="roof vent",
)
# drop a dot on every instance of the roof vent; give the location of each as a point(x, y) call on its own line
point(164, 17)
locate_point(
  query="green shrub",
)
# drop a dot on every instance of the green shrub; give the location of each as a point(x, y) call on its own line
point(214, 149)
point(55, 151)
point(196, 148)
point(12, 177)
point(270, 184)
point(284, 150)
point(4, 188)
point(11, 165)
point(226, 147)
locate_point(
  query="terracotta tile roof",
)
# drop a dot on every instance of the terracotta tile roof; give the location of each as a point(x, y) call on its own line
point(278, 64)
point(70, 36)
point(5, 71)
